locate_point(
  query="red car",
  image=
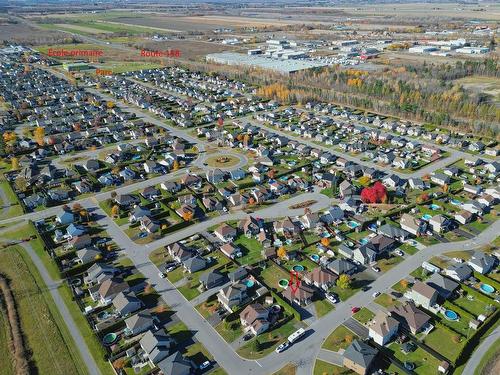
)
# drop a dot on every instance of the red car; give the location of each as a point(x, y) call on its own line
point(355, 309)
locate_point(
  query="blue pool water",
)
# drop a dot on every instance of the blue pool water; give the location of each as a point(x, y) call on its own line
point(455, 202)
point(426, 217)
point(298, 268)
point(487, 288)
point(315, 257)
point(363, 241)
point(249, 283)
point(352, 224)
point(434, 207)
point(451, 315)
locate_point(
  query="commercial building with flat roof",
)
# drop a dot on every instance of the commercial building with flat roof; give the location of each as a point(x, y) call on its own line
point(288, 66)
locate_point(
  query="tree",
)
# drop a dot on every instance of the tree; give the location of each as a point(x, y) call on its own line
point(77, 207)
point(148, 289)
point(187, 215)
point(119, 364)
point(281, 252)
point(14, 163)
point(325, 241)
point(39, 135)
point(344, 281)
point(115, 211)
point(364, 180)
point(404, 283)
point(375, 194)
point(348, 338)
point(175, 166)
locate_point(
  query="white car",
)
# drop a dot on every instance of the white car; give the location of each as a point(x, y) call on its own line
point(282, 347)
point(204, 365)
point(161, 274)
point(376, 294)
point(399, 252)
point(458, 260)
point(376, 269)
point(331, 298)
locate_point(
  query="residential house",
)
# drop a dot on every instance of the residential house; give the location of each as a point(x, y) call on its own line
point(232, 295)
point(393, 232)
point(140, 322)
point(212, 279)
point(179, 252)
point(359, 357)
point(80, 242)
point(302, 295)
point(194, 264)
point(65, 217)
point(340, 266)
point(413, 225)
point(225, 233)
point(250, 226)
point(383, 328)
point(109, 289)
point(440, 179)
point(410, 317)
point(440, 223)
point(443, 285)
point(127, 303)
point(423, 295)
point(231, 251)
point(88, 255)
point(175, 364)
point(481, 262)
point(255, 319)
point(464, 217)
point(156, 346)
point(320, 278)
point(459, 272)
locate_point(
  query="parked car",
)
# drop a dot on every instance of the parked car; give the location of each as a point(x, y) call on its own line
point(331, 298)
point(247, 337)
point(282, 347)
point(399, 252)
point(204, 365)
point(355, 309)
point(375, 268)
point(161, 274)
point(375, 294)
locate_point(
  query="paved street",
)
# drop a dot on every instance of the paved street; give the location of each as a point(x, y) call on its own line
point(477, 355)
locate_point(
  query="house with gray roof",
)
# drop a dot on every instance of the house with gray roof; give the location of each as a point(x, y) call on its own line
point(156, 346)
point(443, 285)
point(140, 323)
point(175, 364)
point(127, 303)
point(359, 357)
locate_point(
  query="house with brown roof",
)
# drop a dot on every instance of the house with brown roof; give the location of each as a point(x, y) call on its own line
point(423, 295)
point(249, 226)
point(302, 295)
point(231, 251)
point(285, 225)
point(225, 232)
point(413, 225)
point(320, 278)
point(109, 289)
point(179, 252)
point(255, 318)
point(410, 317)
point(383, 328)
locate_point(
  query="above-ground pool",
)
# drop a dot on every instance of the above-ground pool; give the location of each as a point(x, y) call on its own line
point(298, 268)
point(103, 315)
point(450, 315)
point(276, 308)
point(249, 283)
point(283, 283)
point(364, 241)
point(315, 257)
point(434, 207)
point(455, 202)
point(109, 338)
point(487, 288)
point(352, 224)
point(426, 217)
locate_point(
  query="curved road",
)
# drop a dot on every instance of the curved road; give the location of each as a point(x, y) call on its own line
point(479, 352)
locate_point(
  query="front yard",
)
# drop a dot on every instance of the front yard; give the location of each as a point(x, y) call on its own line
point(340, 338)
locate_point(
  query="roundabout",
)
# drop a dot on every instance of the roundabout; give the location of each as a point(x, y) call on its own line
point(223, 160)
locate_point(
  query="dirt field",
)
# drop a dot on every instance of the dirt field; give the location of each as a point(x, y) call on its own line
point(486, 85)
point(23, 34)
point(190, 50)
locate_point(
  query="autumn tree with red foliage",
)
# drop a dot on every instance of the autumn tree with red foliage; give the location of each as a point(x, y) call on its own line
point(375, 194)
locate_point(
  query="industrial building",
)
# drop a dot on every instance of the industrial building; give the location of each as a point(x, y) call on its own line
point(423, 49)
point(286, 65)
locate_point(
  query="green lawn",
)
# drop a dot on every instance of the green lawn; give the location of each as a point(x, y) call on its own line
point(386, 264)
point(386, 301)
point(425, 364)
point(15, 208)
point(325, 368)
point(364, 315)
point(401, 286)
point(197, 353)
point(251, 249)
point(268, 341)
point(477, 306)
point(322, 307)
point(179, 332)
point(190, 289)
point(340, 338)
point(47, 338)
point(438, 336)
point(272, 274)
point(230, 331)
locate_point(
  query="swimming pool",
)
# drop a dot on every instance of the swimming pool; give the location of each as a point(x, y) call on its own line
point(352, 224)
point(434, 207)
point(109, 339)
point(487, 288)
point(455, 202)
point(450, 315)
point(298, 268)
point(315, 257)
point(283, 283)
point(249, 283)
point(363, 241)
point(426, 217)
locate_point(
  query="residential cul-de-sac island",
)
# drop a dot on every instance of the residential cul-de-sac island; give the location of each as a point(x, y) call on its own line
point(184, 222)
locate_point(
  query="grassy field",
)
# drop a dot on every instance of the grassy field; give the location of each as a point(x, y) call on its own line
point(15, 208)
point(53, 350)
point(340, 338)
point(364, 315)
point(438, 336)
point(251, 249)
point(425, 364)
point(325, 368)
point(386, 301)
point(6, 368)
